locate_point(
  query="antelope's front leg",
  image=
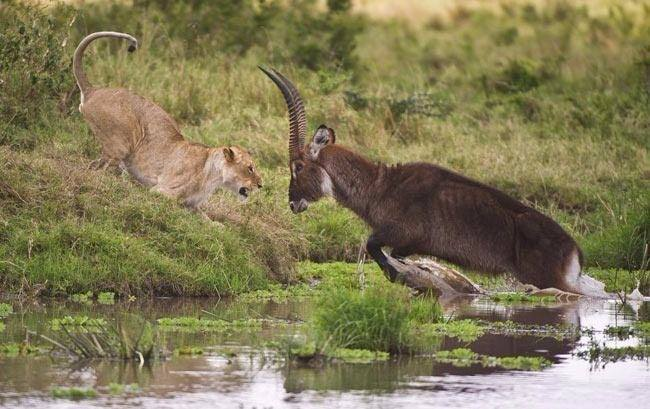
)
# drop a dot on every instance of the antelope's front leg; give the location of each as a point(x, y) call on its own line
point(373, 247)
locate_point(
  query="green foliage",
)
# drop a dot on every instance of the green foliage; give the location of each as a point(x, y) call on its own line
point(376, 319)
point(463, 330)
point(188, 350)
point(106, 297)
point(463, 357)
point(5, 309)
point(14, 349)
point(359, 356)
point(601, 355)
point(34, 69)
point(193, 324)
point(73, 392)
point(84, 298)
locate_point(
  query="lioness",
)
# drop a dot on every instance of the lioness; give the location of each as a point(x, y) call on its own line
point(141, 137)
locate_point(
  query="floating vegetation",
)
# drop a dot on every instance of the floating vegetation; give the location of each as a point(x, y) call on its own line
point(5, 309)
point(78, 321)
point(120, 388)
point(463, 330)
point(358, 356)
point(74, 393)
point(601, 355)
point(460, 357)
point(187, 350)
point(463, 357)
point(15, 349)
point(515, 297)
point(279, 293)
point(511, 328)
point(84, 298)
point(307, 352)
point(106, 298)
point(193, 324)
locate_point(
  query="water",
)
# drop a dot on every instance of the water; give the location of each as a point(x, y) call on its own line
point(239, 371)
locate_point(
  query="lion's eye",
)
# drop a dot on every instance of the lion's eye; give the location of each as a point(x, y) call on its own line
point(250, 169)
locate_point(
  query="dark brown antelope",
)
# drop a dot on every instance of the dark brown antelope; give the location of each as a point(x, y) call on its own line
point(420, 208)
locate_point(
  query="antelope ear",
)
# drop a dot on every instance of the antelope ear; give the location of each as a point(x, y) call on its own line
point(324, 136)
point(229, 154)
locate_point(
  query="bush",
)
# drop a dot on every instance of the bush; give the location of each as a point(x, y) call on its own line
point(35, 69)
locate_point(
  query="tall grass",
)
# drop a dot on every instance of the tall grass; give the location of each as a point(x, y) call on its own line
point(546, 101)
point(377, 319)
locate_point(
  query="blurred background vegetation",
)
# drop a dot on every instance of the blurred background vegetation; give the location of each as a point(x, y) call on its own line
point(547, 100)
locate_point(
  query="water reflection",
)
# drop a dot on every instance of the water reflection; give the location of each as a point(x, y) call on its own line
point(238, 370)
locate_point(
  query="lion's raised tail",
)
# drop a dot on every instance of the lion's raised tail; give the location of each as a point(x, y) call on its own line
point(77, 60)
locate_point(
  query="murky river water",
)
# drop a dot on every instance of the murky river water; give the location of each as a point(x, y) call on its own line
point(238, 371)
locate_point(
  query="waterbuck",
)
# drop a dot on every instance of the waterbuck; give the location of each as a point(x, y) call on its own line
point(420, 208)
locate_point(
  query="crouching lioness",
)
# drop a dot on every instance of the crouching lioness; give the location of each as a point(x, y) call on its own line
point(138, 135)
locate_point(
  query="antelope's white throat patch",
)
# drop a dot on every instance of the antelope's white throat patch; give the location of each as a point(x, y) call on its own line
point(326, 185)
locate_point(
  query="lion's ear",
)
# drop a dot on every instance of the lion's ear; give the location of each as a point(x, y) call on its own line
point(229, 154)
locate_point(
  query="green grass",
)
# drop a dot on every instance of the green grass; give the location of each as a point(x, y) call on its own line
point(378, 318)
point(73, 393)
point(553, 112)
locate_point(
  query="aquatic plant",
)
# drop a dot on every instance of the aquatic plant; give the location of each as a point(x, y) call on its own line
point(73, 392)
point(194, 324)
point(188, 350)
point(120, 388)
point(5, 309)
point(601, 355)
point(279, 293)
point(511, 328)
point(358, 356)
point(463, 357)
point(131, 337)
point(464, 330)
point(458, 357)
point(78, 322)
point(515, 297)
point(15, 349)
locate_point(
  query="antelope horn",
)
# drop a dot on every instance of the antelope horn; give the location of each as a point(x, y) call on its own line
point(297, 116)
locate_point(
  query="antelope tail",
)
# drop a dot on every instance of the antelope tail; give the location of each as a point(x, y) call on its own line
point(77, 60)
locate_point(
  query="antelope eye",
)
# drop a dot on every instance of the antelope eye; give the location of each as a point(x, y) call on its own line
point(298, 167)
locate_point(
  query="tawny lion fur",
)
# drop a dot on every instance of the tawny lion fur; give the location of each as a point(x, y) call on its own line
point(139, 136)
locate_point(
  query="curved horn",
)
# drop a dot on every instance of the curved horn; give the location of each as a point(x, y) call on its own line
point(297, 116)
